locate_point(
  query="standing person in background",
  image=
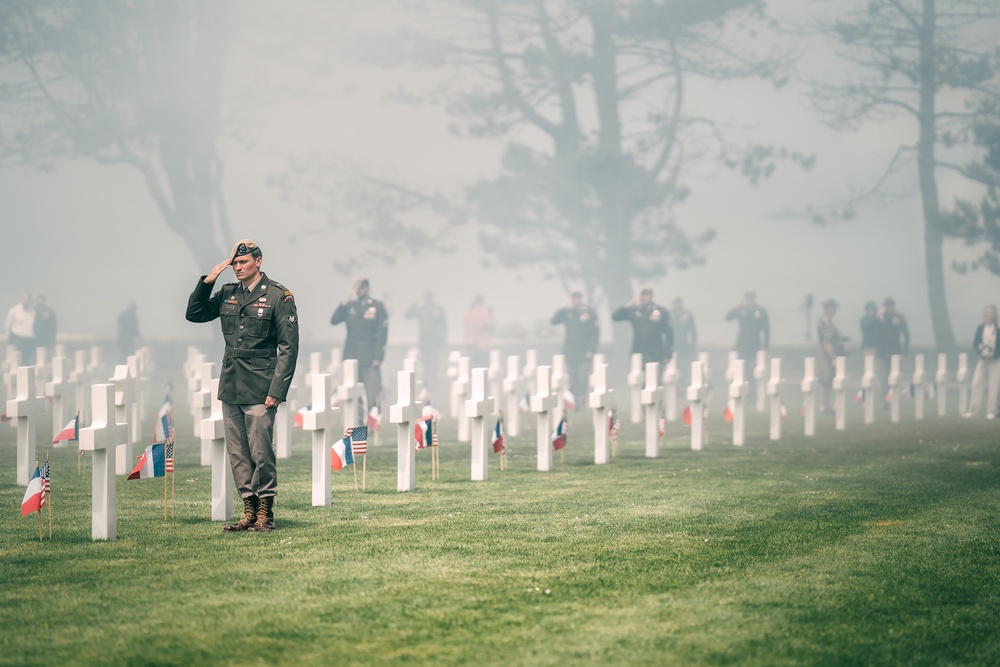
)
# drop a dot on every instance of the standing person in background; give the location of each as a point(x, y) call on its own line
point(869, 328)
point(128, 332)
point(45, 325)
point(583, 332)
point(367, 324)
point(685, 339)
point(20, 329)
point(987, 365)
point(478, 323)
point(652, 335)
point(754, 333)
point(892, 337)
point(261, 331)
point(432, 323)
point(831, 346)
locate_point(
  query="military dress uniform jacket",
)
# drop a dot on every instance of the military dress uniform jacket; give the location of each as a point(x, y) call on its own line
point(893, 335)
point(582, 330)
point(653, 337)
point(367, 330)
point(261, 334)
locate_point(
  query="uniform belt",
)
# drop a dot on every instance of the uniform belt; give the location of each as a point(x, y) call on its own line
point(250, 353)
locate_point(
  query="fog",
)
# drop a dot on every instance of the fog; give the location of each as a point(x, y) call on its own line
point(91, 238)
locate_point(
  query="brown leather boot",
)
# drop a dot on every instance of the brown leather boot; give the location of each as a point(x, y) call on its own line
point(265, 516)
point(249, 516)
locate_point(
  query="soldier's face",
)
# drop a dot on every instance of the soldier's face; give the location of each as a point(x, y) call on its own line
point(577, 299)
point(990, 315)
point(246, 268)
point(361, 291)
point(645, 298)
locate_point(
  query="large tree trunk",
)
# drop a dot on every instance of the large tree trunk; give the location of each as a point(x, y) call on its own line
point(933, 238)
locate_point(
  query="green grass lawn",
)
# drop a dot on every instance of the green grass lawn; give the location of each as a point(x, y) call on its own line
point(875, 546)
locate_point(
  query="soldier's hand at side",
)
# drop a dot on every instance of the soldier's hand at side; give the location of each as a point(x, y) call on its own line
point(217, 271)
point(271, 402)
point(376, 363)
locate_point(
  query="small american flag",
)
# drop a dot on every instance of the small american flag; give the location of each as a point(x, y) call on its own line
point(359, 439)
point(168, 463)
point(46, 483)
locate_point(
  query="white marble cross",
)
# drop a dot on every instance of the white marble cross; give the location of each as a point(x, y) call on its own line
point(560, 383)
point(650, 397)
point(513, 391)
point(135, 366)
point(41, 367)
point(494, 380)
point(26, 407)
point(894, 388)
point(737, 390)
point(696, 404)
point(460, 390)
point(213, 431)
point(598, 358)
point(477, 408)
point(202, 406)
point(101, 438)
point(670, 389)
point(774, 393)
point(868, 388)
point(322, 420)
point(542, 404)
point(919, 381)
point(124, 383)
point(56, 390)
point(404, 413)
point(530, 371)
point(452, 375)
point(283, 430)
point(941, 380)
point(336, 363)
point(760, 375)
point(94, 363)
point(962, 377)
point(840, 393)
point(11, 362)
point(351, 393)
point(634, 381)
point(81, 385)
point(600, 402)
point(809, 395)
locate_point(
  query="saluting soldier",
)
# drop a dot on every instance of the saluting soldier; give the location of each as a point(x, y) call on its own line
point(652, 335)
point(755, 330)
point(367, 331)
point(261, 330)
point(583, 332)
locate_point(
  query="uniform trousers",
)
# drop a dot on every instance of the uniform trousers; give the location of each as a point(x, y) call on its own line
point(987, 372)
point(249, 434)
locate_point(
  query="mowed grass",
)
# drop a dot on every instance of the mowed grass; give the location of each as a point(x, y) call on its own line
point(874, 546)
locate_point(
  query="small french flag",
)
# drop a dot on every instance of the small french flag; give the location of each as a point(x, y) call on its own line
point(71, 431)
point(341, 454)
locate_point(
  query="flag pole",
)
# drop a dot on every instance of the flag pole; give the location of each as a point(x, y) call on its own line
point(364, 470)
point(48, 489)
point(39, 509)
point(164, 484)
point(355, 466)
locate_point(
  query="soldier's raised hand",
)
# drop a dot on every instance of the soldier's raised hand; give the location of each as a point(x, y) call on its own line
point(217, 271)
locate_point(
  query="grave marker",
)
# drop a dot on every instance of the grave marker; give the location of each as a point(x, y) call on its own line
point(404, 414)
point(322, 420)
point(600, 402)
point(103, 436)
point(542, 403)
point(477, 408)
point(213, 431)
point(650, 397)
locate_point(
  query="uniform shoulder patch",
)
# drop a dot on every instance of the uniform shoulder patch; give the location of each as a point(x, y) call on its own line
point(288, 296)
